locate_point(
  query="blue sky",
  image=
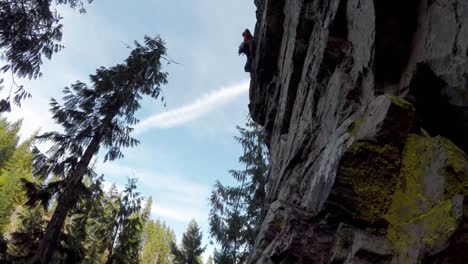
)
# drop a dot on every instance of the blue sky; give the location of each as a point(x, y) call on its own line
point(189, 144)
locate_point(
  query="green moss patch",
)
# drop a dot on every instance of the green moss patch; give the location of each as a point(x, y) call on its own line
point(371, 170)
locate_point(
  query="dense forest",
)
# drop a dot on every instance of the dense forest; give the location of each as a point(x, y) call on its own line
point(105, 226)
point(115, 226)
point(54, 207)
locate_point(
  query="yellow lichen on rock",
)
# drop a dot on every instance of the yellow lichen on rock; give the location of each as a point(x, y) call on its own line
point(400, 102)
point(456, 171)
point(417, 217)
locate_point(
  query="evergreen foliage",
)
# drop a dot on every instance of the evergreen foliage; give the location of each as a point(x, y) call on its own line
point(191, 248)
point(102, 225)
point(29, 31)
point(15, 165)
point(31, 224)
point(103, 228)
point(93, 116)
point(18, 167)
point(75, 240)
point(237, 211)
point(8, 139)
point(127, 228)
point(157, 240)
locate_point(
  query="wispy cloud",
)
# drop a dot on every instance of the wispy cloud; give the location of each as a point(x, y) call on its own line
point(194, 110)
point(178, 214)
point(175, 198)
point(153, 180)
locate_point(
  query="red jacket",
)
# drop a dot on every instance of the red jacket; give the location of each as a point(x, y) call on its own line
point(247, 38)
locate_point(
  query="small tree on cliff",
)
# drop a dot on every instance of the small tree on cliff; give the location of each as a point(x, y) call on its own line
point(101, 114)
point(237, 211)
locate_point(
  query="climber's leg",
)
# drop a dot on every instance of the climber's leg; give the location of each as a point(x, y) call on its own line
point(248, 64)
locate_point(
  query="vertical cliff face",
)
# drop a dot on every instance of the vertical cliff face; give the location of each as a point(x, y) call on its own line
point(365, 108)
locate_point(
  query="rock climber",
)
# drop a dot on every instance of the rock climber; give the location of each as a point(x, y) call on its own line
point(247, 47)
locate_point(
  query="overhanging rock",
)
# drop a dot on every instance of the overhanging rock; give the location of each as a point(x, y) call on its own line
point(365, 113)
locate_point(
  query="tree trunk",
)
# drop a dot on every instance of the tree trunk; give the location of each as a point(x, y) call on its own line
point(51, 237)
point(110, 258)
point(69, 197)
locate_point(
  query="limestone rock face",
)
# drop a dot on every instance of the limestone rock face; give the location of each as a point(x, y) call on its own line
point(365, 109)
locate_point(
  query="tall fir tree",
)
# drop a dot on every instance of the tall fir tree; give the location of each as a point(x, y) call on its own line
point(15, 163)
point(93, 116)
point(237, 211)
point(16, 169)
point(157, 240)
point(191, 247)
point(152, 239)
point(102, 226)
point(127, 230)
point(9, 137)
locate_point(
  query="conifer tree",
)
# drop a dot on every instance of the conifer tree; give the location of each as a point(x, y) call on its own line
point(191, 247)
point(15, 163)
point(237, 211)
point(74, 240)
point(18, 167)
point(100, 226)
point(30, 226)
point(9, 138)
point(126, 234)
point(29, 231)
point(158, 238)
point(152, 243)
point(100, 114)
point(29, 31)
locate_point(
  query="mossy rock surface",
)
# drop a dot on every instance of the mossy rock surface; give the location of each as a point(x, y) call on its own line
point(407, 194)
point(418, 216)
point(371, 170)
point(402, 103)
point(456, 170)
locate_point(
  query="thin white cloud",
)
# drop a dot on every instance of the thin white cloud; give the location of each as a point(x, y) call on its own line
point(153, 180)
point(174, 198)
point(194, 110)
point(178, 214)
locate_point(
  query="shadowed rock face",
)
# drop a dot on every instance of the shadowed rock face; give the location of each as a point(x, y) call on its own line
point(365, 109)
point(3, 249)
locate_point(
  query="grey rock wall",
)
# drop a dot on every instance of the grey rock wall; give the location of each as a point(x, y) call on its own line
point(365, 109)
